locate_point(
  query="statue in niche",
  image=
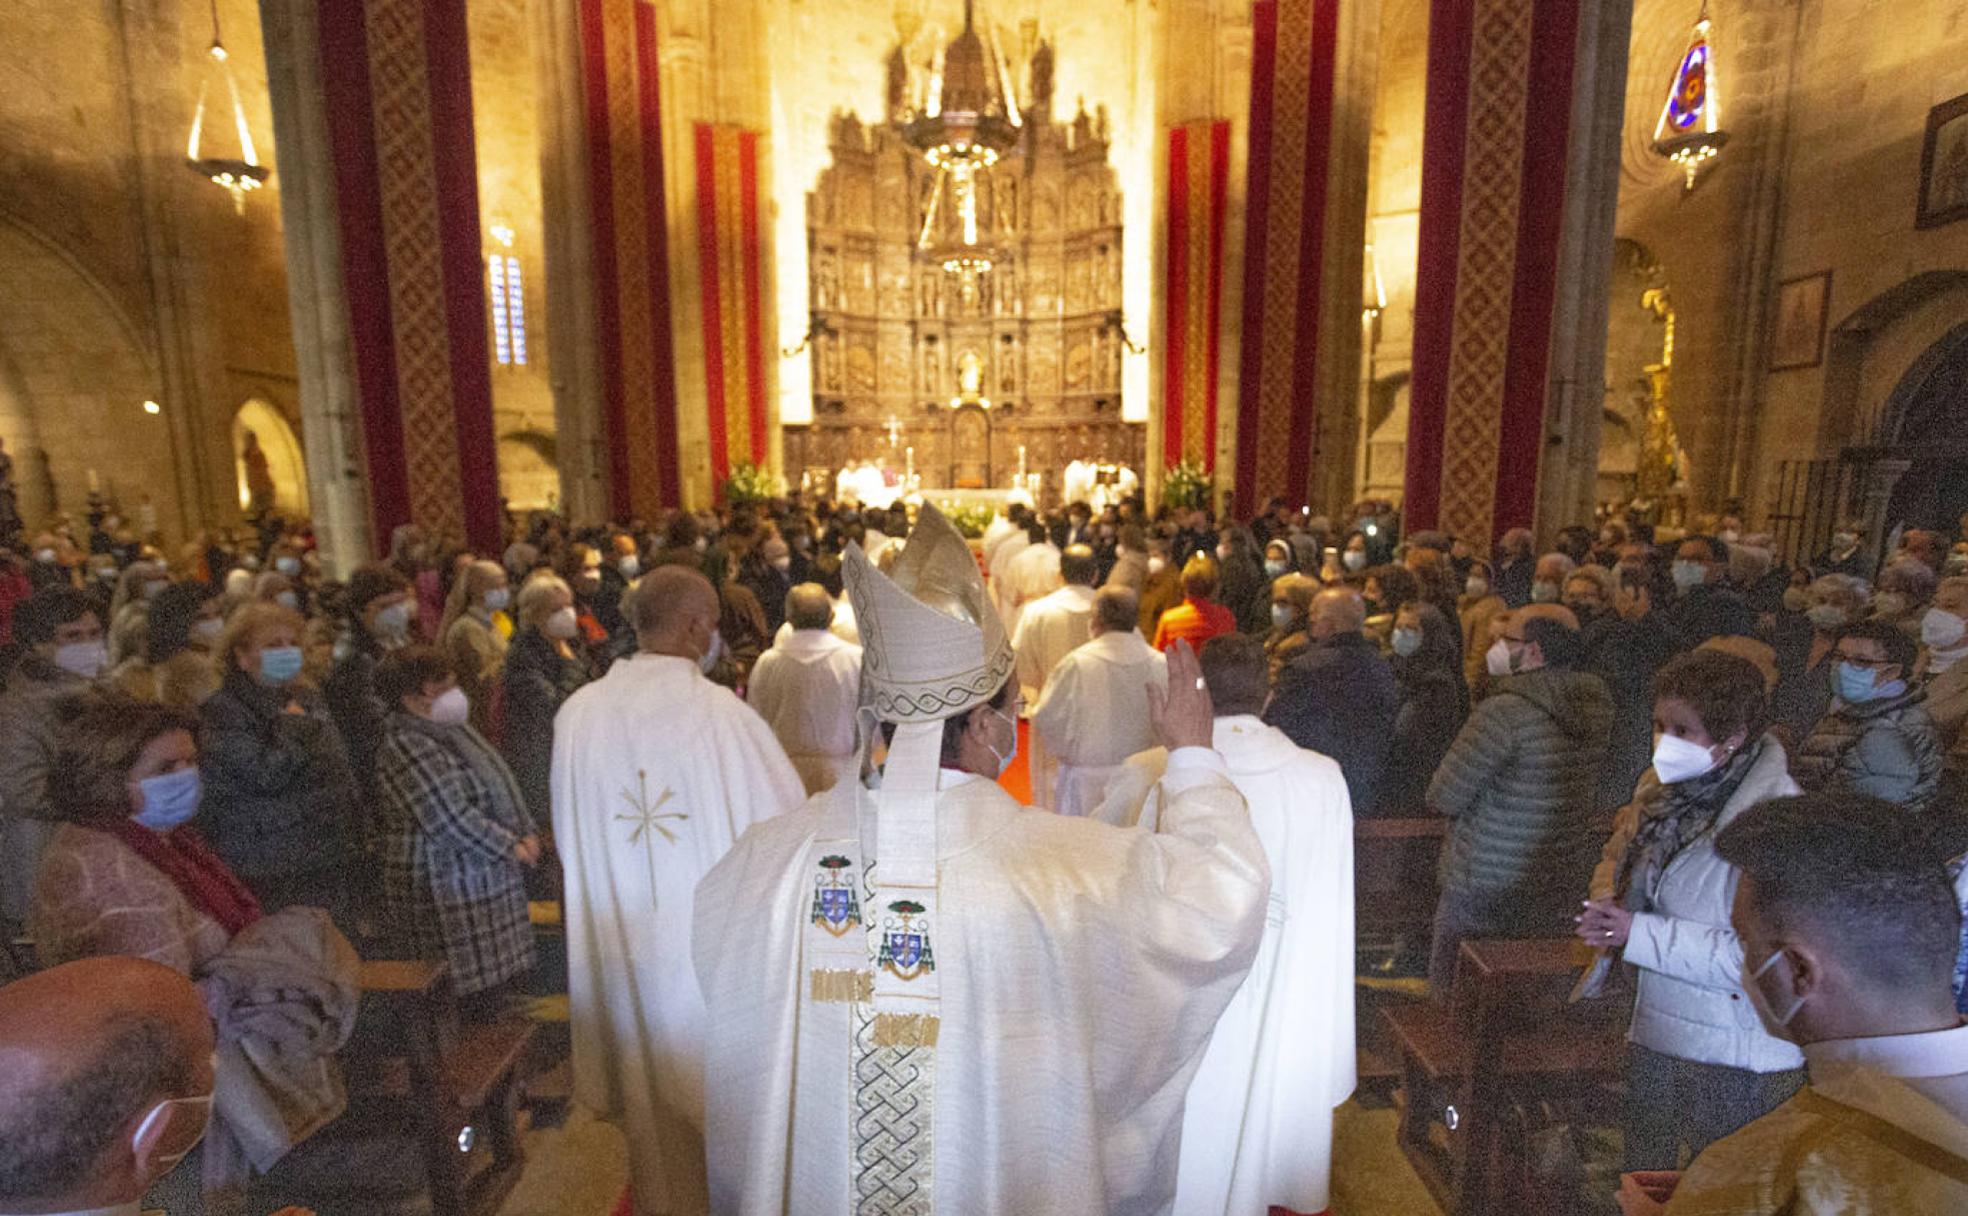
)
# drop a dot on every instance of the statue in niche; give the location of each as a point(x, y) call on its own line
point(259, 477)
point(826, 280)
point(830, 364)
point(929, 290)
point(1008, 367)
point(932, 364)
point(970, 376)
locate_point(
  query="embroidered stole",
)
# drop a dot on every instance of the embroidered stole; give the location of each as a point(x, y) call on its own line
point(869, 942)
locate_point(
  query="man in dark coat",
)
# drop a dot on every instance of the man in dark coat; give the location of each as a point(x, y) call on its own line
point(1706, 607)
point(1516, 563)
point(1339, 698)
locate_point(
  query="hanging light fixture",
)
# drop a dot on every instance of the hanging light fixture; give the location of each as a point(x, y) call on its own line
point(1690, 129)
point(967, 123)
point(236, 175)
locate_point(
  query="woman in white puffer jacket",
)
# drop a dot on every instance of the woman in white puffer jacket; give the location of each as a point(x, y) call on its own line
point(1701, 1062)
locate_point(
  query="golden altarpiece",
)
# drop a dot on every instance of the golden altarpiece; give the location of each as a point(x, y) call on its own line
point(967, 378)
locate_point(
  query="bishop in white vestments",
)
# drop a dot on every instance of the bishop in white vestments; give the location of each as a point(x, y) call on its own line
point(1049, 629)
point(1093, 713)
point(656, 771)
point(1257, 1133)
point(925, 999)
point(807, 688)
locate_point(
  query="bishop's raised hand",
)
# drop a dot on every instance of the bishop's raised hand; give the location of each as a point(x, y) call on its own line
point(1183, 716)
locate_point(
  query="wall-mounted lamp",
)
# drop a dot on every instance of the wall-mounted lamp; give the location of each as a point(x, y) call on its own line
point(820, 327)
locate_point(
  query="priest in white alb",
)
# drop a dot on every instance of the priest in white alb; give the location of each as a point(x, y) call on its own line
point(1093, 713)
point(925, 999)
point(998, 559)
point(1049, 629)
point(656, 771)
point(807, 688)
point(1257, 1134)
point(1033, 573)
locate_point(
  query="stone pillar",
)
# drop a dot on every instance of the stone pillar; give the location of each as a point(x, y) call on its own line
point(386, 132)
point(1311, 122)
point(323, 348)
point(1495, 158)
point(1569, 479)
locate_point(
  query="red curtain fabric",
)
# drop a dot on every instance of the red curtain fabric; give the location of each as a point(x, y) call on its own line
point(1494, 154)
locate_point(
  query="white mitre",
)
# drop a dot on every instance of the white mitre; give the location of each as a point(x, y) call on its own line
point(932, 647)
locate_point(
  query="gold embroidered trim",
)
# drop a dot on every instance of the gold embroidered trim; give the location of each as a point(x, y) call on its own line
point(906, 1029)
point(843, 987)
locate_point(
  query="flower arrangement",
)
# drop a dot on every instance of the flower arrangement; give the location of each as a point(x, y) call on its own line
point(969, 518)
point(1185, 486)
point(749, 483)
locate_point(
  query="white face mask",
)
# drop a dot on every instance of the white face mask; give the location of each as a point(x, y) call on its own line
point(1941, 629)
point(497, 599)
point(781, 564)
point(562, 624)
point(1223, 553)
point(1354, 560)
point(1476, 588)
point(1281, 615)
point(1156, 565)
point(208, 629)
point(1497, 659)
point(85, 659)
point(452, 707)
point(1677, 760)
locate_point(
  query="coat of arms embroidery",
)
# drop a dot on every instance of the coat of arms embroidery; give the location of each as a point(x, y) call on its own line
point(836, 908)
point(905, 949)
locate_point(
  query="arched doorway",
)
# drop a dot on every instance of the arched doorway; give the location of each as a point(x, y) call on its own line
point(267, 460)
point(1925, 422)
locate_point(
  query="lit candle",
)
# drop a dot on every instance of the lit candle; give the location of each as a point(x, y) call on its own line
point(95, 482)
point(910, 455)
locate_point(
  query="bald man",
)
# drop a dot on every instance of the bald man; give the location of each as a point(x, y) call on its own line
point(1338, 696)
point(105, 1084)
point(807, 688)
point(656, 772)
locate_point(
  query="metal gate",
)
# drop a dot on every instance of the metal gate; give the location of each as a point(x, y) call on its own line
point(1813, 497)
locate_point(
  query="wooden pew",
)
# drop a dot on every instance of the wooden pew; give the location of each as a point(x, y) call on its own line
point(414, 1065)
point(1506, 1041)
point(1394, 889)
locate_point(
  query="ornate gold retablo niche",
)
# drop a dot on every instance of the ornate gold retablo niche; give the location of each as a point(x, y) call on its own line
point(925, 362)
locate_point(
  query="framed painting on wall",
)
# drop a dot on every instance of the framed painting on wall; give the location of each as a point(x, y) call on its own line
point(1801, 310)
point(1944, 166)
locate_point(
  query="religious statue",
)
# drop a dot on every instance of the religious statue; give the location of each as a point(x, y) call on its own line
point(259, 477)
point(970, 376)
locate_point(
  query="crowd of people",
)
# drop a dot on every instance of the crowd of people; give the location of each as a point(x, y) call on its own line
point(1644, 737)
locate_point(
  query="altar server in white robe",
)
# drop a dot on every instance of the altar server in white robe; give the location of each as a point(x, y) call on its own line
point(1093, 713)
point(1257, 1133)
point(999, 530)
point(656, 771)
point(998, 564)
point(1049, 629)
point(1034, 573)
point(807, 688)
point(929, 955)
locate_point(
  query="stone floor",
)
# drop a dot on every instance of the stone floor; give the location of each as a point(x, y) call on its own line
point(580, 1169)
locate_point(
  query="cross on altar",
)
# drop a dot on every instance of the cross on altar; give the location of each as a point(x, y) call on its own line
point(894, 428)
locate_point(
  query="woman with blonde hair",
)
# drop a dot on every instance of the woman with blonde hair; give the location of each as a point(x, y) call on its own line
point(280, 802)
point(472, 638)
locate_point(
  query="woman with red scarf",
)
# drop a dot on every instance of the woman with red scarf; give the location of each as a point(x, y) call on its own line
point(125, 874)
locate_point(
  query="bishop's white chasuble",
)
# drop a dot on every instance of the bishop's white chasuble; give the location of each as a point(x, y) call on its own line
point(1258, 1128)
point(1080, 969)
point(656, 771)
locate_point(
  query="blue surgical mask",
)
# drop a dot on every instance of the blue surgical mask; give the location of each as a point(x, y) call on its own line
point(287, 565)
point(280, 664)
point(394, 621)
point(169, 800)
point(1005, 758)
point(1544, 593)
point(1689, 574)
point(1275, 566)
point(1856, 685)
point(1406, 642)
point(497, 599)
